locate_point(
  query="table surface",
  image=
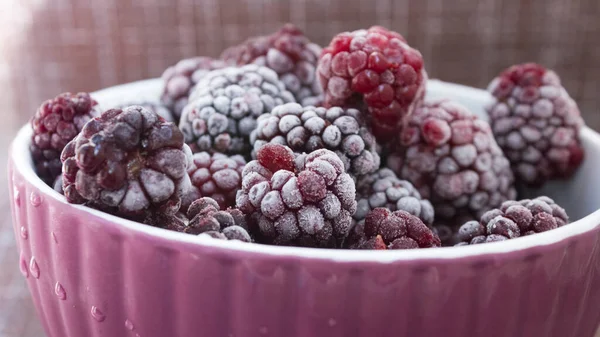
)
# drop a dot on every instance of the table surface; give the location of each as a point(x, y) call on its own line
point(17, 314)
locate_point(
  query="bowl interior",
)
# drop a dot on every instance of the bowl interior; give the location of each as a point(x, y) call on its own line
point(579, 195)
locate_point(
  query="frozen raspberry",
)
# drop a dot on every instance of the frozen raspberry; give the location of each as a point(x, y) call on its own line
point(384, 189)
point(514, 219)
point(452, 159)
point(225, 104)
point(536, 123)
point(217, 176)
point(158, 108)
point(290, 54)
point(309, 128)
point(378, 68)
point(309, 205)
point(384, 229)
point(181, 78)
point(56, 122)
point(129, 162)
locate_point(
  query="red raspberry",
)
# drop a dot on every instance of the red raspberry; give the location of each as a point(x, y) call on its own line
point(290, 54)
point(536, 123)
point(451, 157)
point(129, 162)
point(378, 67)
point(56, 122)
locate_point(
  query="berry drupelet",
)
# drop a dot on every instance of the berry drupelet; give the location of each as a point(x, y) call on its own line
point(290, 54)
point(384, 229)
point(303, 201)
point(536, 123)
point(181, 78)
point(384, 189)
point(129, 162)
point(217, 176)
point(56, 122)
point(225, 104)
point(514, 219)
point(305, 129)
point(377, 69)
point(452, 159)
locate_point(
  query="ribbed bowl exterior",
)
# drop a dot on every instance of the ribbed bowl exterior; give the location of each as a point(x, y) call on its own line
point(91, 277)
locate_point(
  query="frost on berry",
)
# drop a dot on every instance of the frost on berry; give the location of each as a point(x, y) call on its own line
point(223, 108)
point(377, 69)
point(56, 122)
point(514, 219)
point(451, 158)
point(130, 162)
point(306, 201)
point(290, 54)
point(306, 129)
point(536, 123)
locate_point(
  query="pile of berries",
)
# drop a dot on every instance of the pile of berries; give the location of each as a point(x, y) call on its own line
point(282, 142)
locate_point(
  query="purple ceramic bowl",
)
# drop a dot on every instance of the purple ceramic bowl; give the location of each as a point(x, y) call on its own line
point(93, 274)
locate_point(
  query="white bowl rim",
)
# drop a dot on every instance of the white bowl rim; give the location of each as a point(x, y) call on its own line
point(23, 163)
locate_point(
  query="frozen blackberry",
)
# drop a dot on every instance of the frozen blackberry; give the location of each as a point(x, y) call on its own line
point(158, 108)
point(514, 219)
point(375, 68)
point(56, 122)
point(223, 108)
point(305, 129)
point(536, 123)
point(217, 176)
point(290, 54)
point(384, 229)
point(452, 159)
point(181, 78)
point(129, 162)
point(384, 189)
point(304, 201)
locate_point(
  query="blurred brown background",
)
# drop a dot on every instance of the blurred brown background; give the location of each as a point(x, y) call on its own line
point(52, 46)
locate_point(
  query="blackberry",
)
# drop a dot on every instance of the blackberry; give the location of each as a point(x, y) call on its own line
point(384, 189)
point(375, 68)
point(536, 123)
point(304, 201)
point(158, 108)
point(129, 162)
point(56, 122)
point(305, 129)
point(384, 229)
point(514, 219)
point(223, 108)
point(452, 159)
point(290, 54)
point(217, 176)
point(181, 78)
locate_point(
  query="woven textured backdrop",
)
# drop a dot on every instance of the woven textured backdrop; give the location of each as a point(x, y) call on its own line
point(51, 46)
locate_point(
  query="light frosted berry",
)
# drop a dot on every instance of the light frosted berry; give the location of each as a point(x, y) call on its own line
point(225, 104)
point(536, 123)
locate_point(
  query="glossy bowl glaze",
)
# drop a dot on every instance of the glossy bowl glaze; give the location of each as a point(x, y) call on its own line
point(92, 274)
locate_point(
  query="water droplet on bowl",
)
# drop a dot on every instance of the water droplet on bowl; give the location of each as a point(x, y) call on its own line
point(97, 314)
point(23, 266)
point(129, 325)
point(263, 330)
point(24, 233)
point(34, 268)
point(60, 291)
point(17, 196)
point(332, 322)
point(54, 237)
point(137, 335)
point(35, 199)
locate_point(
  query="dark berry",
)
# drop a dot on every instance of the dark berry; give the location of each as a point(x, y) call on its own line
point(377, 67)
point(451, 157)
point(56, 122)
point(308, 205)
point(536, 123)
point(290, 54)
point(225, 104)
point(158, 108)
point(305, 129)
point(129, 162)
